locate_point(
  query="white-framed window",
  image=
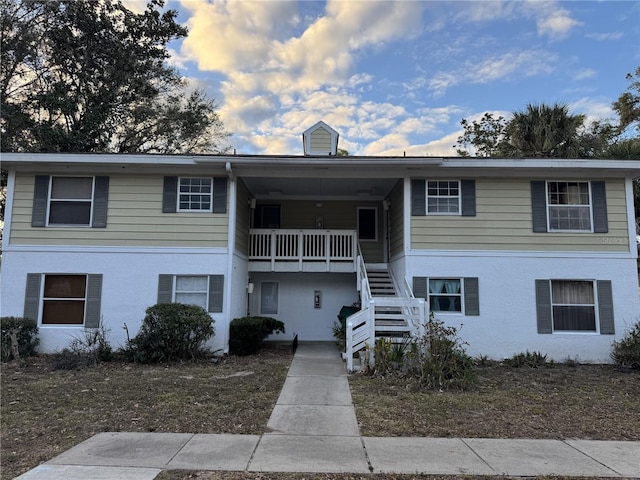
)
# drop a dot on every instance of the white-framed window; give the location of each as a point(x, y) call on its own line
point(269, 298)
point(70, 201)
point(445, 294)
point(368, 224)
point(64, 299)
point(195, 194)
point(192, 290)
point(569, 206)
point(573, 306)
point(443, 197)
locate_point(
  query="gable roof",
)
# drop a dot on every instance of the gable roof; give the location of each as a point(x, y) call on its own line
point(320, 139)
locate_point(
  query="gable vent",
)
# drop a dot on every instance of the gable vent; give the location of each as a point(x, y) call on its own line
point(320, 139)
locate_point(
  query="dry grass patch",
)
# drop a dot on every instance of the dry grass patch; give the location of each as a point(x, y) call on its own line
point(584, 401)
point(201, 475)
point(45, 412)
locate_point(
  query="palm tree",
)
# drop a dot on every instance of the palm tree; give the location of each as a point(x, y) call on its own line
point(546, 131)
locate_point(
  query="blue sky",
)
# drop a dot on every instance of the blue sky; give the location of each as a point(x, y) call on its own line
point(398, 76)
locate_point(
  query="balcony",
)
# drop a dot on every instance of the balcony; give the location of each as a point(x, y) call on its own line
point(289, 250)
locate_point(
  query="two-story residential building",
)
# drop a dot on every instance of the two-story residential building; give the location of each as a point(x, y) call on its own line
point(522, 254)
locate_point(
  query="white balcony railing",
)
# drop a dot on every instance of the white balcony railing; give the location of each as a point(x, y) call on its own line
point(304, 248)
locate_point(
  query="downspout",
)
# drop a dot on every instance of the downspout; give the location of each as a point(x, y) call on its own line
point(230, 253)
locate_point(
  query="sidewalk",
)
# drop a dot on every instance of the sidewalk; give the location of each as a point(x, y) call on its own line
point(313, 428)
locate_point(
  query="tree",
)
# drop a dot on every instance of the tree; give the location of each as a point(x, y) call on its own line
point(539, 130)
point(628, 104)
point(486, 137)
point(545, 131)
point(89, 76)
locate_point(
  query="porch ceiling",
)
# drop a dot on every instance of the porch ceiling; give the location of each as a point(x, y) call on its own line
point(316, 188)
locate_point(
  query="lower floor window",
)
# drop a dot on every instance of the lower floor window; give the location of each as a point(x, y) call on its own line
point(445, 295)
point(192, 290)
point(573, 305)
point(64, 299)
point(269, 298)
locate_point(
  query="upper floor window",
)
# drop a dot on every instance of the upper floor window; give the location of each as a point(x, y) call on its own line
point(569, 205)
point(443, 197)
point(70, 200)
point(195, 194)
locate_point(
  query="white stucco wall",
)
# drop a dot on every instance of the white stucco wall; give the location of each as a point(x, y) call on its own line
point(130, 285)
point(295, 303)
point(507, 322)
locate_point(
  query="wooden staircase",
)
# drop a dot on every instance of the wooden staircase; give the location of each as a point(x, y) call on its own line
point(390, 321)
point(387, 311)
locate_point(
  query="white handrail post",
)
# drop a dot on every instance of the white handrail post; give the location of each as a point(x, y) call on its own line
point(327, 246)
point(372, 331)
point(349, 348)
point(274, 240)
point(300, 248)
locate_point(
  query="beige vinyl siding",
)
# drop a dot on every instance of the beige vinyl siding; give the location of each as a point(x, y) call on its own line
point(242, 218)
point(504, 222)
point(396, 235)
point(134, 218)
point(340, 215)
point(320, 141)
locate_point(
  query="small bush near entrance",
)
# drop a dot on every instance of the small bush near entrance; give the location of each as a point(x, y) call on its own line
point(246, 334)
point(437, 360)
point(626, 352)
point(528, 359)
point(169, 332)
point(19, 336)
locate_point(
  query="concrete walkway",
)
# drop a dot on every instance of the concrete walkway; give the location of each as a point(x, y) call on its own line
point(313, 428)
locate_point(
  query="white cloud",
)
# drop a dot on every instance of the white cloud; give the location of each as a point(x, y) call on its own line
point(584, 73)
point(553, 21)
point(601, 37)
point(593, 108)
point(507, 66)
point(136, 6)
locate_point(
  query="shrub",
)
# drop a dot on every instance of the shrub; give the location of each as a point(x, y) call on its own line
point(626, 352)
point(390, 353)
point(92, 345)
point(439, 360)
point(169, 332)
point(246, 334)
point(527, 359)
point(20, 333)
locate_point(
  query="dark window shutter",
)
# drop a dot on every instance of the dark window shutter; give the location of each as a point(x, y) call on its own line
point(420, 287)
point(605, 307)
point(543, 306)
point(94, 298)
point(40, 199)
point(219, 195)
point(169, 194)
point(539, 206)
point(418, 198)
point(165, 288)
point(100, 200)
point(471, 296)
point(599, 197)
point(216, 292)
point(468, 190)
point(32, 296)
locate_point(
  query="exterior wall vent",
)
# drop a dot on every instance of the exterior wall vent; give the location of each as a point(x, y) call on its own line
point(320, 139)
